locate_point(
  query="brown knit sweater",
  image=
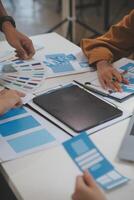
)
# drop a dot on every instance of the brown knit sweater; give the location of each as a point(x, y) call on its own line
point(118, 42)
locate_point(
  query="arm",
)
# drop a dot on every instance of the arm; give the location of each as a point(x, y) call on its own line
point(116, 43)
point(86, 189)
point(22, 44)
point(2, 10)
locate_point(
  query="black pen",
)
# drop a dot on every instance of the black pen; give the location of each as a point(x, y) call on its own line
point(92, 89)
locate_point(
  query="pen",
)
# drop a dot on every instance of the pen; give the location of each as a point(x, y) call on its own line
point(92, 89)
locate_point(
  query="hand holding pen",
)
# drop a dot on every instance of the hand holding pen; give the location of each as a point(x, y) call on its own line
point(109, 77)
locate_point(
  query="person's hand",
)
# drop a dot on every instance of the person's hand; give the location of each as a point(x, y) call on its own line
point(10, 99)
point(109, 77)
point(86, 189)
point(22, 44)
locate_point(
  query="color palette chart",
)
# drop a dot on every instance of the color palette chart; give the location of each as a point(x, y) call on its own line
point(88, 157)
point(22, 132)
point(22, 75)
point(61, 64)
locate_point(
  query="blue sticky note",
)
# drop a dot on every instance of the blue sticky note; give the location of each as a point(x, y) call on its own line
point(18, 125)
point(13, 112)
point(31, 140)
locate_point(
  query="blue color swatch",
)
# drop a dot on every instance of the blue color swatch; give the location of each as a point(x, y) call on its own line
point(13, 112)
point(18, 125)
point(32, 140)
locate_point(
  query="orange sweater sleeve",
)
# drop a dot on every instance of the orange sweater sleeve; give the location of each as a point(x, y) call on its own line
point(116, 43)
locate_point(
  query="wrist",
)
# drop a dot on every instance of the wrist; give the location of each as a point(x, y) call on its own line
point(102, 63)
point(4, 19)
point(7, 26)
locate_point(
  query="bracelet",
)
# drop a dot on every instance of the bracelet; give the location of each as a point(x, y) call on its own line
point(6, 18)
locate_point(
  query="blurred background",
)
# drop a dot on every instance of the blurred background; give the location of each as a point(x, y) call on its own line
point(39, 16)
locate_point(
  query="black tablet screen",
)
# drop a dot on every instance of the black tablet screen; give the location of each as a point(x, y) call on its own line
point(77, 108)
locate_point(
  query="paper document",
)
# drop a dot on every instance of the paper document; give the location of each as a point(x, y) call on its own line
point(63, 64)
point(88, 157)
point(22, 132)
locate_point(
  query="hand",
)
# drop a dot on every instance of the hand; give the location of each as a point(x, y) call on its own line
point(10, 99)
point(86, 189)
point(106, 73)
point(22, 44)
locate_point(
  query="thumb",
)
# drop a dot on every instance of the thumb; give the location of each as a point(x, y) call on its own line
point(89, 179)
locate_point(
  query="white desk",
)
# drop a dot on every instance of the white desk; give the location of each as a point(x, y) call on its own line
point(50, 174)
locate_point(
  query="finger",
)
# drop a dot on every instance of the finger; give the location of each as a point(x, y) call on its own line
point(18, 104)
point(89, 179)
point(125, 81)
point(22, 54)
point(74, 196)
point(109, 83)
point(117, 76)
point(18, 93)
point(18, 55)
point(21, 94)
point(79, 183)
point(3, 91)
point(117, 86)
point(29, 48)
point(102, 82)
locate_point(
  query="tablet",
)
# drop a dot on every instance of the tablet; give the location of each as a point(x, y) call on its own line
point(77, 108)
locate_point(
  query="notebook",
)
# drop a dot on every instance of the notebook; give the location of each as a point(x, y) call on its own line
point(77, 108)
